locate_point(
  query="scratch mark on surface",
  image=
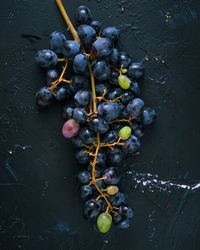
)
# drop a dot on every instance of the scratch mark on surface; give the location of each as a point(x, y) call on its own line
point(8, 167)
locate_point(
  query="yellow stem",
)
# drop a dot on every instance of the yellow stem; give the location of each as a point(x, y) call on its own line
point(67, 20)
point(93, 89)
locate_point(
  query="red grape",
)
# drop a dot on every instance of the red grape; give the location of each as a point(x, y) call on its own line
point(70, 128)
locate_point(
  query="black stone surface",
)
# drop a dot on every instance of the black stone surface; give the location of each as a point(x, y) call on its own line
point(40, 206)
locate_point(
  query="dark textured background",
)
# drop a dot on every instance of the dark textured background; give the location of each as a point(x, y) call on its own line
point(40, 206)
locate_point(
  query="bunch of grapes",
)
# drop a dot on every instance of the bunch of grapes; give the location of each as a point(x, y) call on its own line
point(105, 119)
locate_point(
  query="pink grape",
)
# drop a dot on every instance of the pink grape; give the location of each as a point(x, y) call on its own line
point(70, 128)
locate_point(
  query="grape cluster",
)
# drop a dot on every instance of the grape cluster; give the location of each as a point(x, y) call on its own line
point(105, 119)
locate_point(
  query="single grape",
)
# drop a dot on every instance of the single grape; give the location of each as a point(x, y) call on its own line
point(112, 190)
point(132, 145)
point(80, 63)
point(87, 35)
point(125, 133)
point(84, 177)
point(91, 209)
point(102, 47)
point(101, 158)
point(62, 93)
point(79, 82)
point(115, 156)
point(46, 58)
point(71, 49)
point(124, 59)
point(127, 96)
point(114, 93)
point(83, 15)
point(100, 87)
point(51, 76)
point(77, 142)
point(124, 224)
point(98, 125)
point(114, 57)
point(56, 41)
point(136, 70)
point(43, 97)
point(96, 25)
point(113, 80)
point(82, 157)
point(111, 32)
point(80, 115)
point(134, 107)
point(111, 137)
point(101, 70)
point(70, 128)
point(117, 219)
point(87, 135)
point(109, 110)
point(83, 97)
point(148, 116)
point(126, 212)
point(118, 199)
point(68, 112)
point(112, 176)
point(86, 192)
point(134, 87)
point(124, 81)
point(104, 222)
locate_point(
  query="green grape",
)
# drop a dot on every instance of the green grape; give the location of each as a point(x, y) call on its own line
point(125, 132)
point(104, 222)
point(124, 82)
point(124, 71)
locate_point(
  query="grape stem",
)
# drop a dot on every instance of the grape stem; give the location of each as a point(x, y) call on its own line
point(97, 143)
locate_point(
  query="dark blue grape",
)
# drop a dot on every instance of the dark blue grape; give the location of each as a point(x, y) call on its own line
point(102, 47)
point(139, 132)
point(86, 192)
point(63, 93)
point(83, 15)
point(124, 59)
point(124, 224)
point(80, 115)
point(80, 63)
point(98, 125)
point(77, 142)
point(84, 177)
point(51, 76)
point(87, 35)
point(134, 107)
point(115, 57)
point(113, 80)
point(87, 135)
point(111, 33)
point(101, 70)
point(118, 199)
point(117, 219)
point(136, 70)
point(114, 93)
point(44, 97)
point(71, 49)
point(82, 157)
point(148, 116)
point(68, 112)
point(101, 158)
point(111, 137)
point(132, 145)
point(91, 209)
point(56, 41)
point(100, 87)
point(96, 25)
point(112, 176)
point(127, 96)
point(126, 212)
point(46, 58)
point(79, 82)
point(134, 87)
point(115, 156)
point(109, 110)
point(83, 97)
point(124, 113)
